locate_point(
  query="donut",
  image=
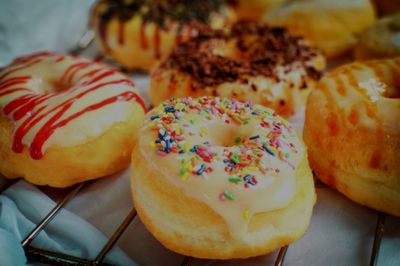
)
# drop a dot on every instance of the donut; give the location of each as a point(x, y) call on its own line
point(64, 120)
point(218, 178)
point(253, 9)
point(380, 40)
point(352, 130)
point(251, 62)
point(136, 34)
point(332, 26)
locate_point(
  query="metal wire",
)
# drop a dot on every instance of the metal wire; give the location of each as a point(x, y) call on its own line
point(39, 227)
point(83, 43)
point(39, 255)
point(114, 238)
point(281, 256)
point(380, 228)
point(56, 258)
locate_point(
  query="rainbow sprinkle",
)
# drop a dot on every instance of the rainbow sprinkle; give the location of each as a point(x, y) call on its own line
point(245, 163)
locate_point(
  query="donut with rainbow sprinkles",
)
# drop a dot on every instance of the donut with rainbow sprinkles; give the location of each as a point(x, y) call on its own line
point(218, 178)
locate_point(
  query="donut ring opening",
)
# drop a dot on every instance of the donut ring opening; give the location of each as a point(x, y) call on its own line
point(391, 92)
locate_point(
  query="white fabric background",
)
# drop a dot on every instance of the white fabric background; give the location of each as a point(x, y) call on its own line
point(32, 25)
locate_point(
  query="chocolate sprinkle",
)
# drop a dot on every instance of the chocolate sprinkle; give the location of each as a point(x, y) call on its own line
point(261, 48)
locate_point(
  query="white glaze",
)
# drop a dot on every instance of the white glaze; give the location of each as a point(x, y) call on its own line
point(48, 75)
point(273, 191)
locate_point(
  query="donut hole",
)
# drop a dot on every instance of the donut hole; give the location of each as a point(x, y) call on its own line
point(55, 85)
point(375, 88)
point(227, 135)
point(392, 92)
point(48, 85)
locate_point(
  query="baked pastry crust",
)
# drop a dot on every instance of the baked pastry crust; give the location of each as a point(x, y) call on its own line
point(332, 26)
point(352, 131)
point(202, 195)
point(190, 227)
point(64, 120)
point(265, 65)
point(138, 34)
point(63, 167)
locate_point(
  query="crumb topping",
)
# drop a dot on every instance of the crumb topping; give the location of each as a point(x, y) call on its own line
point(260, 50)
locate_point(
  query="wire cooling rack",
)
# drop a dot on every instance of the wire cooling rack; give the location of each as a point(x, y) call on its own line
point(34, 254)
point(55, 258)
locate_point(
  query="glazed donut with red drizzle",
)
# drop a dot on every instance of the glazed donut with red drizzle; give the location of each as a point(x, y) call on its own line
point(251, 62)
point(65, 120)
point(136, 34)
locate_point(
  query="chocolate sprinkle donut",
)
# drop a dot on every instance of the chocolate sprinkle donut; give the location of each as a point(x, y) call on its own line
point(261, 49)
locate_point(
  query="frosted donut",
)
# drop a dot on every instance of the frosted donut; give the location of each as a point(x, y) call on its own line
point(352, 131)
point(380, 40)
point(332, 26)
point(253, 62)
point(218, 178)
point(65, 120)
point(136, 34)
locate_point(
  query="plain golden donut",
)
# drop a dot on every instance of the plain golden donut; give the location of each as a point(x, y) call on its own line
point(65, 120)
point(218, 178)
point(137, 34)
point(352, 131)
point(330, 25)
point(250, 62)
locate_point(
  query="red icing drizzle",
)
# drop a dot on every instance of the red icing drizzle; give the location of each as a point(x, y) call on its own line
point(48, 129)
point(102, 76)
point(103, 32)
point(91, 73)
point(121, 29)
point(72, 70)
point(13, 90)
point(27, 58)
point(13, 81)
point(143, 38)
point(5, 85)
point(157, 42)
point(179, 34)
point(25, 105)
point(28, 64)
